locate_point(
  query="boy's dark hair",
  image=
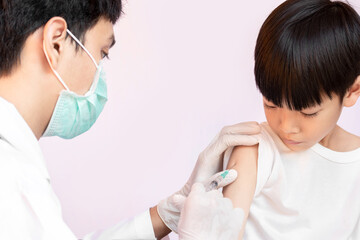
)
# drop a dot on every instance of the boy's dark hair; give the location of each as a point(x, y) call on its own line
point(20, 18)
point(307, 49)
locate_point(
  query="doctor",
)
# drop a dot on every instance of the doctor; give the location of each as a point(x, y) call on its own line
point(52, 84)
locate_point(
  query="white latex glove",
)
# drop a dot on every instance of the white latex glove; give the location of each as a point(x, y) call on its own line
point(208, 164)
point(208, 215)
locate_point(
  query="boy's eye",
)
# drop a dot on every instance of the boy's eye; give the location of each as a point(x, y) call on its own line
point(269, 106)
point(310, 115)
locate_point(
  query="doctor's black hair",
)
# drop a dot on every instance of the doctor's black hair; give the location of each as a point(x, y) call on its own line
point(20, 18)
point(307, 49)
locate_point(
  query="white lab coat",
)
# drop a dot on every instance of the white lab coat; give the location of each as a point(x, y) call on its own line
point(29, 208)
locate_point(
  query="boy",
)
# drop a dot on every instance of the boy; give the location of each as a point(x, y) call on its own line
point(303, 179)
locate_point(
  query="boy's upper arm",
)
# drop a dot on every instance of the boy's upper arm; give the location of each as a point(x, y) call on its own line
point(242, 190)
point(266, 157)
point(244, 161)
point(258, 168)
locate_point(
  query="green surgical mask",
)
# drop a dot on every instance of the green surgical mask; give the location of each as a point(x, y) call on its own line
point(75, 114)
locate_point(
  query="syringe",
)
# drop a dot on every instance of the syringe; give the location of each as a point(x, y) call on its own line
point(216, 182)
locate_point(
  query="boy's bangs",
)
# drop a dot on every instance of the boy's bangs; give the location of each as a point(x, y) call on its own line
point(307, 51)
point(293, 75)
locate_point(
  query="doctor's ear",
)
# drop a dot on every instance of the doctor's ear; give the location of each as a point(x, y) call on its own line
point(54, 38)
point(352, 94)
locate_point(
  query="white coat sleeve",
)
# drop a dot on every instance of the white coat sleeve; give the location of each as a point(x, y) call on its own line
point(29, 210)
point(17, 220)
point(356, 232)
point(139, 228)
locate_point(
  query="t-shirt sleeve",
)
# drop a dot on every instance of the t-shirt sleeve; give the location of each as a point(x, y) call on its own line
point(266, 160)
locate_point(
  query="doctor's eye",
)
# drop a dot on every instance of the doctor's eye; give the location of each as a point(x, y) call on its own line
point(104, 55)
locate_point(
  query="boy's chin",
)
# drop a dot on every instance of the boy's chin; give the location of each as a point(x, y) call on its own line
point(298, 147)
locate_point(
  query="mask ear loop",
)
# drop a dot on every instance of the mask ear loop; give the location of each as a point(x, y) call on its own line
point(82, 46)
point(54, 71)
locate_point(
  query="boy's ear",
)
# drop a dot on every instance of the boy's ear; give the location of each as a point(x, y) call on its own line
point(352, 94)
point(54, 37)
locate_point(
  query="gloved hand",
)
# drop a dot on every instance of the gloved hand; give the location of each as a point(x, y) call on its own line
point(208, 163)
point(208, 215)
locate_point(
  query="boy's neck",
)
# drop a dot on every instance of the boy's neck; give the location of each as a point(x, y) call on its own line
point(340, 140)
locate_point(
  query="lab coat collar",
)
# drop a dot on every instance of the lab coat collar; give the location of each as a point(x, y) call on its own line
point(15, 131)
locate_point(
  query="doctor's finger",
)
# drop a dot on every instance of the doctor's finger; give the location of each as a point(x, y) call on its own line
point(236, 140)
point(179, 201)
point(227, 141)
point(242, 128)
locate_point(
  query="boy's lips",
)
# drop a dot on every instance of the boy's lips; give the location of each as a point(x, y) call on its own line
point(290, 142)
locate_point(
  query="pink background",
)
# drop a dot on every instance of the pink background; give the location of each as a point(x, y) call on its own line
point(179, 72)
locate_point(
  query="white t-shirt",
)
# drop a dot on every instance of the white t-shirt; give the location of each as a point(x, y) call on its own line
point(308, 195)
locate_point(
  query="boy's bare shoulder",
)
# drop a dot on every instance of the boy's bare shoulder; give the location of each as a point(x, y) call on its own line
point(243, 153)
point(245, 149)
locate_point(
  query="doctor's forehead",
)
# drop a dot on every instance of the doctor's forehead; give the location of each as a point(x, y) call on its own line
point(102, 33)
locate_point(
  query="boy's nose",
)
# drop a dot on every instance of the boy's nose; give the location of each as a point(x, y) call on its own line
point(288, 122)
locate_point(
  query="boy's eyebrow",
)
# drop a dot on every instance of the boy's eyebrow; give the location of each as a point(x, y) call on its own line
point(313, 109)
point(112, 40)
